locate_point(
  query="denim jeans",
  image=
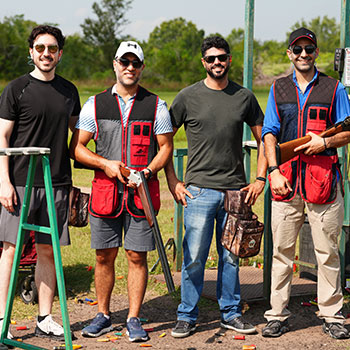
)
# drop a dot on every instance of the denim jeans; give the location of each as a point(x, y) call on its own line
point(206, 207)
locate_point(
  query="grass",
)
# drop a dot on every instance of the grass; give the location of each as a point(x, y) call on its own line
point(79, 256)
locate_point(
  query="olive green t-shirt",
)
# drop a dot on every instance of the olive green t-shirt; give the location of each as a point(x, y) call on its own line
point(213, 121)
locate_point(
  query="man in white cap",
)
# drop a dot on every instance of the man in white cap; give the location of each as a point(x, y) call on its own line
point(131, 127)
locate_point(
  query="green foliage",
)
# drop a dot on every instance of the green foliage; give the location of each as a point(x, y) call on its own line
point(173, 53)
point(103, 33)
point(14, 32)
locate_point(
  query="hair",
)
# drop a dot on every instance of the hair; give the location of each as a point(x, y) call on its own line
point(46, 29)
point(214, 41)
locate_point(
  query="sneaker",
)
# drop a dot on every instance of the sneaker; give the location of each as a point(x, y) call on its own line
point(99, 325)
point(135, 330)
point(335, 330)
point(239, 325)
point(9, 335)
point(183, 329)
point(275, 328)
point(48, 328)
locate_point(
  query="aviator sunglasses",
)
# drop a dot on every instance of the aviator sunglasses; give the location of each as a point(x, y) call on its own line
point(41, 48)
point(309, 49)
point(211, 59)
point(125, 62)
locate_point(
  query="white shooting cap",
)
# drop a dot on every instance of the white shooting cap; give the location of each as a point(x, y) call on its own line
point(129, 46)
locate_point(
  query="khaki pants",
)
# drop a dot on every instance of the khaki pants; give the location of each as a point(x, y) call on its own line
point(326, 222)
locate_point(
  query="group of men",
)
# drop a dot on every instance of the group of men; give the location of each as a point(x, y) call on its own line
point(132, 127)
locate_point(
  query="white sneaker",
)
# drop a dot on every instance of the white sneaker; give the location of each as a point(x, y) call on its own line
point(48, 328)
point(9, 335)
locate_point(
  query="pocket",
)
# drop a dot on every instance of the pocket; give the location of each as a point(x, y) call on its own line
point(316, 119)
point(153, 186)
point(104, 195)
point(140, 142)
point(194, 190)
point(317, 186)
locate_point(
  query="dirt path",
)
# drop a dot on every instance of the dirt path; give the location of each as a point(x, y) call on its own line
point(306, 331)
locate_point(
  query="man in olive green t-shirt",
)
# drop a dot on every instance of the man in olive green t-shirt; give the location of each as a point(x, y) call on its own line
point(213, 112)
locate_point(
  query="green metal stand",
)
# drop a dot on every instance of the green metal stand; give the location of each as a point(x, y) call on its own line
point(34, 153)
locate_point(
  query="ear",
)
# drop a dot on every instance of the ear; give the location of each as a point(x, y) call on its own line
point(60, 54)
point(317, 52)
point(203, 62)
point(31, 53)
point(289, 54)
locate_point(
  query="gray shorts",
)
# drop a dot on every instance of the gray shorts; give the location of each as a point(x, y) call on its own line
point(37, 215)
point(107, 233)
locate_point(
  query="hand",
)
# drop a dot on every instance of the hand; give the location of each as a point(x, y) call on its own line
point(314, 146)
point(112, 170)
point(179, 192)
point(8, 197)
point(279, 184)
point(254, 191)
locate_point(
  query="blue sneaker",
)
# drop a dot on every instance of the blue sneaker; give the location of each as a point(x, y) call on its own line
point(99, 325)
point(135, 330)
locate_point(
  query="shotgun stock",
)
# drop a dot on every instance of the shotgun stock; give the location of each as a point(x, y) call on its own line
point(285, 151)
point(145, 196)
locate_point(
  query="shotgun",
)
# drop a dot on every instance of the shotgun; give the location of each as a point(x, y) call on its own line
point(285, 150)
point(138, 177)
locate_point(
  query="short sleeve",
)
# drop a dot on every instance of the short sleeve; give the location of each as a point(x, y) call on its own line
point(178, 111)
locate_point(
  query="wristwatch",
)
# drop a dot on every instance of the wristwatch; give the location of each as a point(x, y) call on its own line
point(270, 169)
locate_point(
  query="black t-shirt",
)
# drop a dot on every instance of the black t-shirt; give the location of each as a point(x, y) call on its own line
point(40, 110)
point(213, 121)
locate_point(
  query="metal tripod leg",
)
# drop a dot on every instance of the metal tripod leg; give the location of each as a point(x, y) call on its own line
point(52, 229)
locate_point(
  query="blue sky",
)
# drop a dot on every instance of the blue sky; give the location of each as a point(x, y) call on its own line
point(273, 18)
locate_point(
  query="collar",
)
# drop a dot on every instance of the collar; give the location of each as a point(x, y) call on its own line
point(312, 80)
point(114, 92)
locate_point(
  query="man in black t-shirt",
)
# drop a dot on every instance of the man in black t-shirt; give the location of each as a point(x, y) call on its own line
point(36, 110)
point(213, 112)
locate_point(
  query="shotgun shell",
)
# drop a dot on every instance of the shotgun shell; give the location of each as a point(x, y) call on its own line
point(239, 337)
point(105, 340)
point(143, 319)
point(149, 329)
point(249, 347)
point(21, 328)
point(145, 345)
point(162, 335)
point(87, 299)
point(92, 303)
point(13, 322)
point(313, 302)
point(118, 333)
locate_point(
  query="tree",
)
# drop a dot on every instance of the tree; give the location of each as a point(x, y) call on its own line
point(14, 51)
point(104, 33)
point(78, 60)
point(173, 52)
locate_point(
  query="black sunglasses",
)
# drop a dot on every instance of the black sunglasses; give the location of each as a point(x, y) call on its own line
point(125, 62)
point(211, 59)
point(309, 49)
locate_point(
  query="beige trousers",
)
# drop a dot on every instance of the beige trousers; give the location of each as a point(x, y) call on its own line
point(326, 222)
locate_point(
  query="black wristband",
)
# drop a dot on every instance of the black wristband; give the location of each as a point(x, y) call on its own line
point(149, 172)
point(260, 178)
point(270, 169)
point(324, 142)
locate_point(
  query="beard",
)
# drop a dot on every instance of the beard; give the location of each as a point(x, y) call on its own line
point(219, 76)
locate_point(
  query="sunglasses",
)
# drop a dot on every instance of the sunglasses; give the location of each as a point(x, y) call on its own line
point(125, 63)
point(41, 48)
point(309, 49)
point(211, 59)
